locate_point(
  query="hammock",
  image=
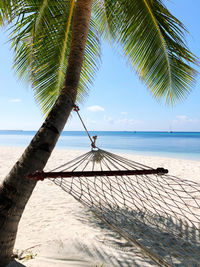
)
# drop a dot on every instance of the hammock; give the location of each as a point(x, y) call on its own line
point(157, 212)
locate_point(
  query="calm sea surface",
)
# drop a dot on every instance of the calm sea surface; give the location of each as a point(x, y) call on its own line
point(175, 144)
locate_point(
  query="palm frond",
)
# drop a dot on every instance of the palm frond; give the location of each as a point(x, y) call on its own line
point(91, 62)
point(5, 11)
point(41, 38)
point(153, 41)
point(9, 9)
point(151, 38)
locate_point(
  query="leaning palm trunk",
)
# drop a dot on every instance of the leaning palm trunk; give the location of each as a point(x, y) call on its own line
point(16, 188)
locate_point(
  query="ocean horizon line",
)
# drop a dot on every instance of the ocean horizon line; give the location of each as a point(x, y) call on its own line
point(128, 131)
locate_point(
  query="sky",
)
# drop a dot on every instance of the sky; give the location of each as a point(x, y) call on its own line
point(117, 101)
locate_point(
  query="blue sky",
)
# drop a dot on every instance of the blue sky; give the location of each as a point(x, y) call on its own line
point(117, 101)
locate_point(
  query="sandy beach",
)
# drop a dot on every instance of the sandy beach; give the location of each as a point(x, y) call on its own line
point(57, 230)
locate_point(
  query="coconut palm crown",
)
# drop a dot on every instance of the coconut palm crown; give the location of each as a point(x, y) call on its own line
point(144, 31)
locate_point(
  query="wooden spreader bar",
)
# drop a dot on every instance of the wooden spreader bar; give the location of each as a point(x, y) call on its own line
point(40, 176)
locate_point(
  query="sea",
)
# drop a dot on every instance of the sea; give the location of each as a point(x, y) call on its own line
point(184, 145)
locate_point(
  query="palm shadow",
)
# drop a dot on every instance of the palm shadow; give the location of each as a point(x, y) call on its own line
point(160, 237)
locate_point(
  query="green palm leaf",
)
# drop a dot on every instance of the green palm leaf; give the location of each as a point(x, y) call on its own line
point(152, 40)
point(149, 36)
point(5, 11)
point(41, 38)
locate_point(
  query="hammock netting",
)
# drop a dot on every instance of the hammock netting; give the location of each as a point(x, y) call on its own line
point(159, 213)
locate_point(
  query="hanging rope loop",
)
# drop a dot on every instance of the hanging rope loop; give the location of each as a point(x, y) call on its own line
point(76, 108)
point(93, 143)
point(94, 138)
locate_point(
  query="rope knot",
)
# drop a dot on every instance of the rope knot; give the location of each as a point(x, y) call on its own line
point(37, 176)
point(94, 141)
point(75, 108)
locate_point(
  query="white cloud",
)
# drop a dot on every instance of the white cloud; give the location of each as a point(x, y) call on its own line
point(123, 113)
point(15, 100)
point(121, 124)
point(95, 108)
point(184, 119)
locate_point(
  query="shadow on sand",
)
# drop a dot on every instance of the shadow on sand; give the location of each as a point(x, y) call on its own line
point(163, 239)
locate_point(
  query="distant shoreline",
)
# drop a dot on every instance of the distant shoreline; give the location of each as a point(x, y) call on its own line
point(70, 131)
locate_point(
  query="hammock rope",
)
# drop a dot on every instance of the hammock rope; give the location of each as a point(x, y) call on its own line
point(157, 212)
point(76, 109)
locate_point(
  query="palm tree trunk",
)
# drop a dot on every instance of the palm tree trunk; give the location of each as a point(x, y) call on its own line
point(16, 189)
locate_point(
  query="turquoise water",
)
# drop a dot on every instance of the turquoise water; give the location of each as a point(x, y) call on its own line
point(175, 144)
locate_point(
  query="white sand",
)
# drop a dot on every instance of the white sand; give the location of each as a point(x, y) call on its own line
point(56, 230)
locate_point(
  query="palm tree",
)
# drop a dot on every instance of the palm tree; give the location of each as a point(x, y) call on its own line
point(57, 49)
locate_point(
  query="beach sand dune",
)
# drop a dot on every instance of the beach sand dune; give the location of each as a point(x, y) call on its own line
point(57, 230)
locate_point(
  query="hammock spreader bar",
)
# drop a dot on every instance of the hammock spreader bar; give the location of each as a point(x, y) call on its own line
point(40, 176)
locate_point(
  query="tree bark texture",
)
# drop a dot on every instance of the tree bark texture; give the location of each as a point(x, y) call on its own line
point(16, 189)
